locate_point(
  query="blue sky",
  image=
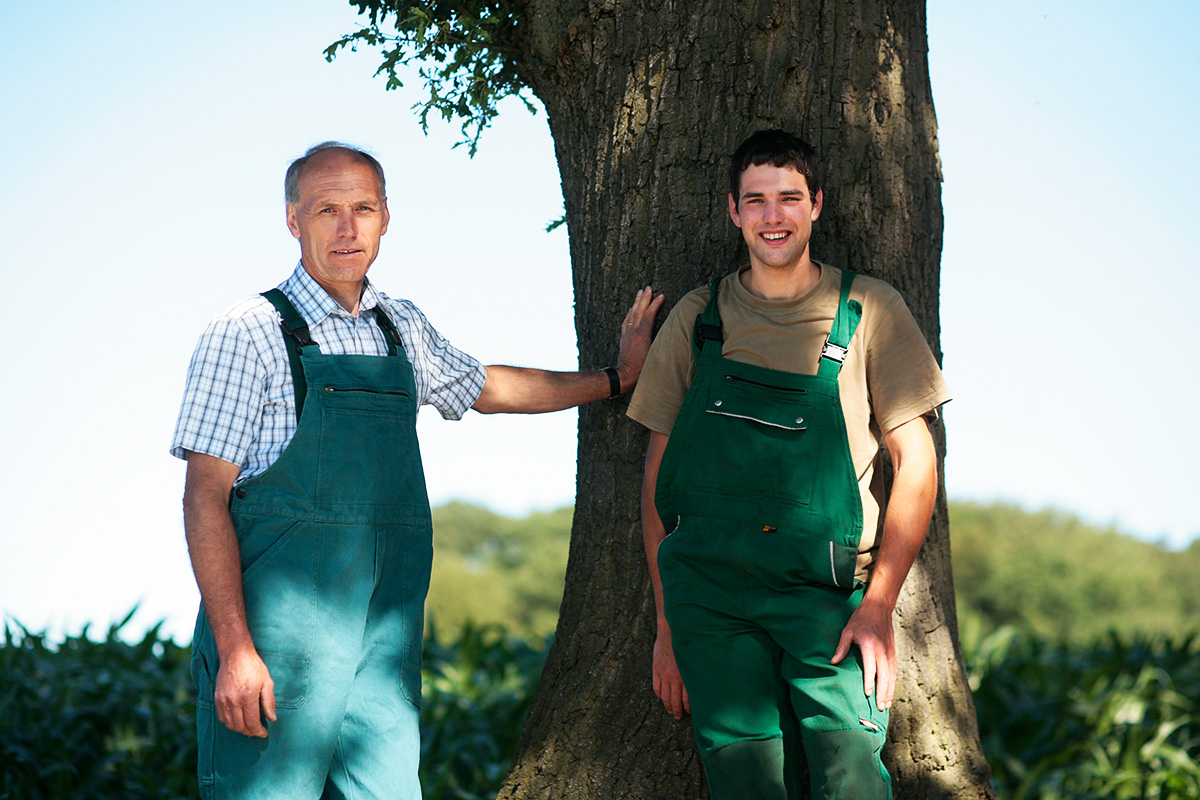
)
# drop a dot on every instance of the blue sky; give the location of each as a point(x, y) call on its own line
point(142, 169)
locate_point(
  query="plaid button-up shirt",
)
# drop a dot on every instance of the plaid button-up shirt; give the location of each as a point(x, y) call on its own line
point(239, 404)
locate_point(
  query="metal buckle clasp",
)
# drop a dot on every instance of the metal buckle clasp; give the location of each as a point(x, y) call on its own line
point(834, 352)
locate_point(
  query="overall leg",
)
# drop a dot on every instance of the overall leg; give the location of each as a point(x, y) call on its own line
point(739, 711)
point(731, 669)
point(379, 746)
point(843, 732)
point(299, 602)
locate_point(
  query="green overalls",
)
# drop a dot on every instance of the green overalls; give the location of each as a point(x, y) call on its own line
point(336, 546)
point(758, 575)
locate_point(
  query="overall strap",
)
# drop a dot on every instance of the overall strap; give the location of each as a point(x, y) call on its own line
point(845, 323)
point(708, 324)
point(295, 336)
point(384, 320)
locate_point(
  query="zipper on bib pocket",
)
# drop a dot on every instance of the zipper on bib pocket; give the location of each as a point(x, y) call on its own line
point(364, 391)
point(740, 379)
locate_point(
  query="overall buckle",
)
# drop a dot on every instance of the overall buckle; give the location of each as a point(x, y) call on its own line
point(834, 352)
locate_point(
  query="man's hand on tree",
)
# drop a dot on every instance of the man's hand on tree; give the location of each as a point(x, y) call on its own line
point(636, 333)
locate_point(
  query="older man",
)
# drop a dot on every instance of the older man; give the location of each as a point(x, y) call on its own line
point(305, 507)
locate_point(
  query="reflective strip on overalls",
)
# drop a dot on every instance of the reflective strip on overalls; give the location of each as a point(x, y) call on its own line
point(758, 576)
point(336, 546)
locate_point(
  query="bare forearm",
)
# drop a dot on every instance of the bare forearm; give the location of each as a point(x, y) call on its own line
point(903, 534)
point(653, 531)
point(517, 390)
point(652, 535)
point(910, 506)
point(244, 691)
point(665, 677)
point(914, 488)
point(216, 560)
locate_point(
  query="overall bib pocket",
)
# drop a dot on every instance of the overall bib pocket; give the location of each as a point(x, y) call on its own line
point(757, 440)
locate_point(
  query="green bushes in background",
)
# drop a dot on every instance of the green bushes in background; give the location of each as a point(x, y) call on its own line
point(101, 720)
point(1116, 719)
point(476, 691)
point(1078, 641)
point(95, 719)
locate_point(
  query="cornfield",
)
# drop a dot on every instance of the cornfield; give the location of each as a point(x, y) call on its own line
point(1116, 720)
point(108, 719)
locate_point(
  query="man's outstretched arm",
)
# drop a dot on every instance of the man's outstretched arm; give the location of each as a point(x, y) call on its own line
point(243, 682)
point(518, 390)
point(910, 505)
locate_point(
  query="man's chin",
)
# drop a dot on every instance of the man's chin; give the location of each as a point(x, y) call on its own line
point(780, 261)
point(350, 268)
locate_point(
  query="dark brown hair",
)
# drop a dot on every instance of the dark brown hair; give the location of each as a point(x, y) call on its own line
point(779, 149)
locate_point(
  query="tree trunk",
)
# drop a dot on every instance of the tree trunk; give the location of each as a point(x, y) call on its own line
point(646, 102)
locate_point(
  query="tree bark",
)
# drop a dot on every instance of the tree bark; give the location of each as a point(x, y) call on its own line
point(646, 102)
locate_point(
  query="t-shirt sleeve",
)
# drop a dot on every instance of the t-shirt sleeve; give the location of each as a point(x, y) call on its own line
point(903, 378)
point(447, 378)
point(669, 368)
point(224, 394)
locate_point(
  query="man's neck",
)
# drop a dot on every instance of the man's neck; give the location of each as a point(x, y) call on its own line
point(346, 298)
point(781, 283)
point(346, 295)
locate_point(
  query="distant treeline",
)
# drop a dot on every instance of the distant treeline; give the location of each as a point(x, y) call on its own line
point(1047, 573)
point(1051, 574)
point(492, 569)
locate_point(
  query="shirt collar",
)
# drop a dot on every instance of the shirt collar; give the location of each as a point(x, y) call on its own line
point(314, 303)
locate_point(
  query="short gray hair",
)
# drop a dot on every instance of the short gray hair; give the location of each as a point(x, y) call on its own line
point(295, 170)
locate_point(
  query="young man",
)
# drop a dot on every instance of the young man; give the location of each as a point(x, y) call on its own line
point(305, 508)
point(774, 563)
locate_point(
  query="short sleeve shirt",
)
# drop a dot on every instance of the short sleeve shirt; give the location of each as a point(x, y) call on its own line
point(239, 402)
point(888, 378)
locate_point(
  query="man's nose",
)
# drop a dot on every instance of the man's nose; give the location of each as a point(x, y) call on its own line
point(773, 212)
point(347, 225)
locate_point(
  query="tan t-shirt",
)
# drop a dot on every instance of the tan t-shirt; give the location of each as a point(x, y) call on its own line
point(888, 378)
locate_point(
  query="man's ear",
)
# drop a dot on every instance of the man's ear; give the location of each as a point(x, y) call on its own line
point(818, 204)
point(292, 223)
point(386, 218)
point(733, 211)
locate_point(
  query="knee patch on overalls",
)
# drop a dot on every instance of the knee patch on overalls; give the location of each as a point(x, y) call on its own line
point(756, 770)
point(846, 765)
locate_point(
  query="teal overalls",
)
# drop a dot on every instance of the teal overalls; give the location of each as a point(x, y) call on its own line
point(336, 546)
point(758, 575)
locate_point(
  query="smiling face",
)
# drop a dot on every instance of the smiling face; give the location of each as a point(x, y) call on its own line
point(775, 212)
point(338, 219)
